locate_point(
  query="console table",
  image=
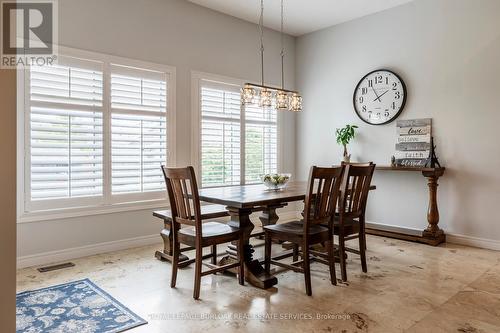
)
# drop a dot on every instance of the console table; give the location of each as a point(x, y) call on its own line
point(432, 235)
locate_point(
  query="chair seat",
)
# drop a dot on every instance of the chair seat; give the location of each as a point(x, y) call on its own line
point(210, 229)
point(207, 212)
point(295, 228)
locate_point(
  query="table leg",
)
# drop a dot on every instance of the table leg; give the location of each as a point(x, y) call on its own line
point(433, 233)
point(254, 272)
point(166, 254)
point(268, 216)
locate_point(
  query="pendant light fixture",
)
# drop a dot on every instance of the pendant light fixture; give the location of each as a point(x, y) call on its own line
point(281, 98)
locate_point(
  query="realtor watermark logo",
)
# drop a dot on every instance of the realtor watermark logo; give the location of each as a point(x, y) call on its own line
point(29, 33)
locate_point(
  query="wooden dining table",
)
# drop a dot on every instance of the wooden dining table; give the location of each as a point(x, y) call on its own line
point(241, 201)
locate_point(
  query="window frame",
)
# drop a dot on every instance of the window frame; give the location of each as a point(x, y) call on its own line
point(196, 84)
point(28, 210)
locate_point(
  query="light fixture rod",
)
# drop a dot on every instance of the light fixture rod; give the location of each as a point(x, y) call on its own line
point(261, 27)
point(282, 51)
point(269, 87)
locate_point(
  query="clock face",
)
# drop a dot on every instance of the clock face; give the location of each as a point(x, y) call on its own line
point(379, 97)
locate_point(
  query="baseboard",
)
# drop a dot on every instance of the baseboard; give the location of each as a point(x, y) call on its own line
point(87, 250)
point(482, 243)
point(393, 228)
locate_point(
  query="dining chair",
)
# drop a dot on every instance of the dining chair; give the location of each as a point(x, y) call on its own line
point(349, 221)
point(322, 193)
point(185, 207)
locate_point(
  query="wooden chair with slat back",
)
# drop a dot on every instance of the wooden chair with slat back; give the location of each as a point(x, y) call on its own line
point(185, 207)
point(323, 190)
point(349, 222)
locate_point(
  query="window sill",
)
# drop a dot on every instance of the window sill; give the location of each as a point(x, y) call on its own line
point(58, 214)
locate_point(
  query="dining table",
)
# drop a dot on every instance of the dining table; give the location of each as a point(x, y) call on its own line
point(241, 202)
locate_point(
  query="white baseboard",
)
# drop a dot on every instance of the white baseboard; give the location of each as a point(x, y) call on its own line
point(87, 250)
point(482, 243)
point(393, 228)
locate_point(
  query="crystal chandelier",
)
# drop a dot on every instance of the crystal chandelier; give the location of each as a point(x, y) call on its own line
point(265, 96)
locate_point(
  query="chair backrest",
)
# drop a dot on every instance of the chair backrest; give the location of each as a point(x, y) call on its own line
point(322, 195)
point(355, 189)
point(357, 163)
point(183, 196)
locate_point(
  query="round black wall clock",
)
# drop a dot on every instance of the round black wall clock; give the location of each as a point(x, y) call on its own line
point(379, 97)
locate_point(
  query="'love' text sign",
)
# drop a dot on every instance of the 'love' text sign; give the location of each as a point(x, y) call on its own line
point(413, 142)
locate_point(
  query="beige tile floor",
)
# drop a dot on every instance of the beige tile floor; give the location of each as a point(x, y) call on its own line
point(409, 287)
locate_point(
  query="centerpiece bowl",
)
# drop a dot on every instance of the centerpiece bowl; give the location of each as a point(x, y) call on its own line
point(276, 181)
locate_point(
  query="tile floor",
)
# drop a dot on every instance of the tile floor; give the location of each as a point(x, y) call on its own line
point(409, 287)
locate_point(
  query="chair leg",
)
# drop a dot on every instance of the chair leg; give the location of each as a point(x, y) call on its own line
point(362, 247)
point(175, 259)
point(267, 252)
point(197, 271)
point(307, 268)
point(295, 252)
point(343, 268)
point(214, 254)
point(331, 262)
point(241, 258)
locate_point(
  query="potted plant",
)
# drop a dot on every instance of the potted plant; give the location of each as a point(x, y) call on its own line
point(344, 136)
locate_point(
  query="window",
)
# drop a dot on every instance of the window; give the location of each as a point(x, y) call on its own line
point(237, 144)
point(95, 131)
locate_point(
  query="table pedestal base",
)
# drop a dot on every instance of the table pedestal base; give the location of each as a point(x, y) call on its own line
point(433, 238)
point(166, 254)
point(254, 272)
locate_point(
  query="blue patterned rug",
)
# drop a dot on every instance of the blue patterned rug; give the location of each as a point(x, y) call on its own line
point(74, 307)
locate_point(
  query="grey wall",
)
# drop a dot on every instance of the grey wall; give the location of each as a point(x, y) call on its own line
point(448, 52)
point(171, 32)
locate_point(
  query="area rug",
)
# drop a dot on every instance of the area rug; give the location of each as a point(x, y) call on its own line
point(74, 307)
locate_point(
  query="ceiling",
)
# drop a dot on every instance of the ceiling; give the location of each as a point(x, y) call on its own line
point(301, 16)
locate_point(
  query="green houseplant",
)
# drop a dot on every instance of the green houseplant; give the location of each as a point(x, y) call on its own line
point(344, 136)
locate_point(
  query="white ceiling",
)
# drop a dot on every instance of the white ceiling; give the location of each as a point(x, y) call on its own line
point(301, 16)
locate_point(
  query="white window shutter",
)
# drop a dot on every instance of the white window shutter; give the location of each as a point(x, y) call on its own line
point(138, 130)
point(220, 136)
point(66, 132)
point(261, 142)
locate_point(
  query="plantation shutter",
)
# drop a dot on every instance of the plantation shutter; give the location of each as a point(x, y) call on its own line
point(220, 135)
point(261, 142)
point(66, 130)
point(138, 129)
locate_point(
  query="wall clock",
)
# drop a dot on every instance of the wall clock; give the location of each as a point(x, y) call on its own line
point(379, 97)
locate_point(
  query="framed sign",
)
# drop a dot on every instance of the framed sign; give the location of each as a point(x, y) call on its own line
point(413, 142)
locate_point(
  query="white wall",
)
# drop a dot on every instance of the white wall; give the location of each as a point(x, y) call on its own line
point(448, 52)
point(171, 32)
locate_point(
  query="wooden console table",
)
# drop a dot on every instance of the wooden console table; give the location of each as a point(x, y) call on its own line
point(432, 235)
